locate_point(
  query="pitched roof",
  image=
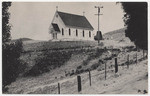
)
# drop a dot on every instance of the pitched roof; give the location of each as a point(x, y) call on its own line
point(73, 20)
point(55, 26)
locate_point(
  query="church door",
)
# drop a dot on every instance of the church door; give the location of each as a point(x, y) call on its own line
point(54, 35)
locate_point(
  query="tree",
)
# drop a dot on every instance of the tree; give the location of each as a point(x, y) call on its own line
point(5, 22)
point(12, 66)
point(135, 19)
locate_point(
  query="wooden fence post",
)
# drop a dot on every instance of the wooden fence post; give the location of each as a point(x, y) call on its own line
point(105, 71)
point(143, 53)
point(128, 61)
point(146, 54)
point(136, 58)
point(79, 83)
point(116, 65)
point(58, 88)
point(90, 77)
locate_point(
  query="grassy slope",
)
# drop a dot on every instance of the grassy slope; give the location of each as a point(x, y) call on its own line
point(115, 35)
point(117, 38)
point(47, 82)
point(126, 81)
point(23, 39)
point(58, 45)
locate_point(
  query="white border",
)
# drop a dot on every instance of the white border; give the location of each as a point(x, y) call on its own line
point(148, 1)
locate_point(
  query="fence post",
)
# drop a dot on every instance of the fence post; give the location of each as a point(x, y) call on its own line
point(116, 65)
point(143, 53)
point(128, 61)
point(146, 54)
point(58, 88)
point(90, 77)
point(105, 71)
point(79, 83)
point(136, 58)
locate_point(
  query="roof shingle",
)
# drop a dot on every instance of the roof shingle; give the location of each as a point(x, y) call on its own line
point(73, 20)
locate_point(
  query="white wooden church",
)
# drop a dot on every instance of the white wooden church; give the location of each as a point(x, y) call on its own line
point(70, 27)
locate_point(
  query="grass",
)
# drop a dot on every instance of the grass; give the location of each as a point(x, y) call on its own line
point(99, 57)
point(58, 45)
point(44, 56)
point(50, 60)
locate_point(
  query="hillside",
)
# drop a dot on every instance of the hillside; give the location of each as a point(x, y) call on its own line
point(50, 63)
point(133, 79)
point(117, 38)
point(23, 39)
point(57, 45)
point(115, 35)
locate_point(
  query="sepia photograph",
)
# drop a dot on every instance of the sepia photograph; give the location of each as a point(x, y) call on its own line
point(75, 48)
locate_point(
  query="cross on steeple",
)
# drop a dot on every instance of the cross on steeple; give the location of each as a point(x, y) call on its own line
point(83, 13)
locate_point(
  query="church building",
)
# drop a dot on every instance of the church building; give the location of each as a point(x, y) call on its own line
point(70, 27)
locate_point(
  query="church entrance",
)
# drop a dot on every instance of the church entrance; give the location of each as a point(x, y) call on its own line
point(54, 35)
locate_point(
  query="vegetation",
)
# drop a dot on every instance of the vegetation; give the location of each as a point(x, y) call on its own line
point(12, 66)
point(98, 53)
point(59, 45)
point(136, 22)
point(23, 39)
point(5, 22)
point(93, 55)
point(50, 61)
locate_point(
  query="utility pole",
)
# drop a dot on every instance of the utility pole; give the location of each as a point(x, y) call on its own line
point(98, 32)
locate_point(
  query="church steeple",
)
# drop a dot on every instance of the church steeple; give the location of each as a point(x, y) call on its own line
point(83, 13)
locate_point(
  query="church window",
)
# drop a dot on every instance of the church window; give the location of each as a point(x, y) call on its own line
point(76, 32)
point(83, 33)
point(69, 31)
point(62, 31)
point(89, 33)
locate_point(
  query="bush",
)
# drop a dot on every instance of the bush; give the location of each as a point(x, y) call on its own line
point(79, 67)
point(12, 66)
point(49, 61)
point(94, 66)
point(85, 62)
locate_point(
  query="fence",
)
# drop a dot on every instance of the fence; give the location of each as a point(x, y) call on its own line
point(130, 59)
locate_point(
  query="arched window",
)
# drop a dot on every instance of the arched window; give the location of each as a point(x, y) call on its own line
point(83, 33)
point(89, 33)
point(69, 31)
point(76, 32)
point(62, 31)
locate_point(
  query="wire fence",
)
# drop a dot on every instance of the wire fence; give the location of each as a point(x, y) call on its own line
point(119, 61)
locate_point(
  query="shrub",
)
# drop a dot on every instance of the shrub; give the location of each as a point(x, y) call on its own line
point(49, 60)
point(72, 73)
point(94, 66)
point(12, 66)
point(85, 62)
point(79, 67)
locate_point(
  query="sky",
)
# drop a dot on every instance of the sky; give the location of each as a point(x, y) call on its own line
point(32, 19)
